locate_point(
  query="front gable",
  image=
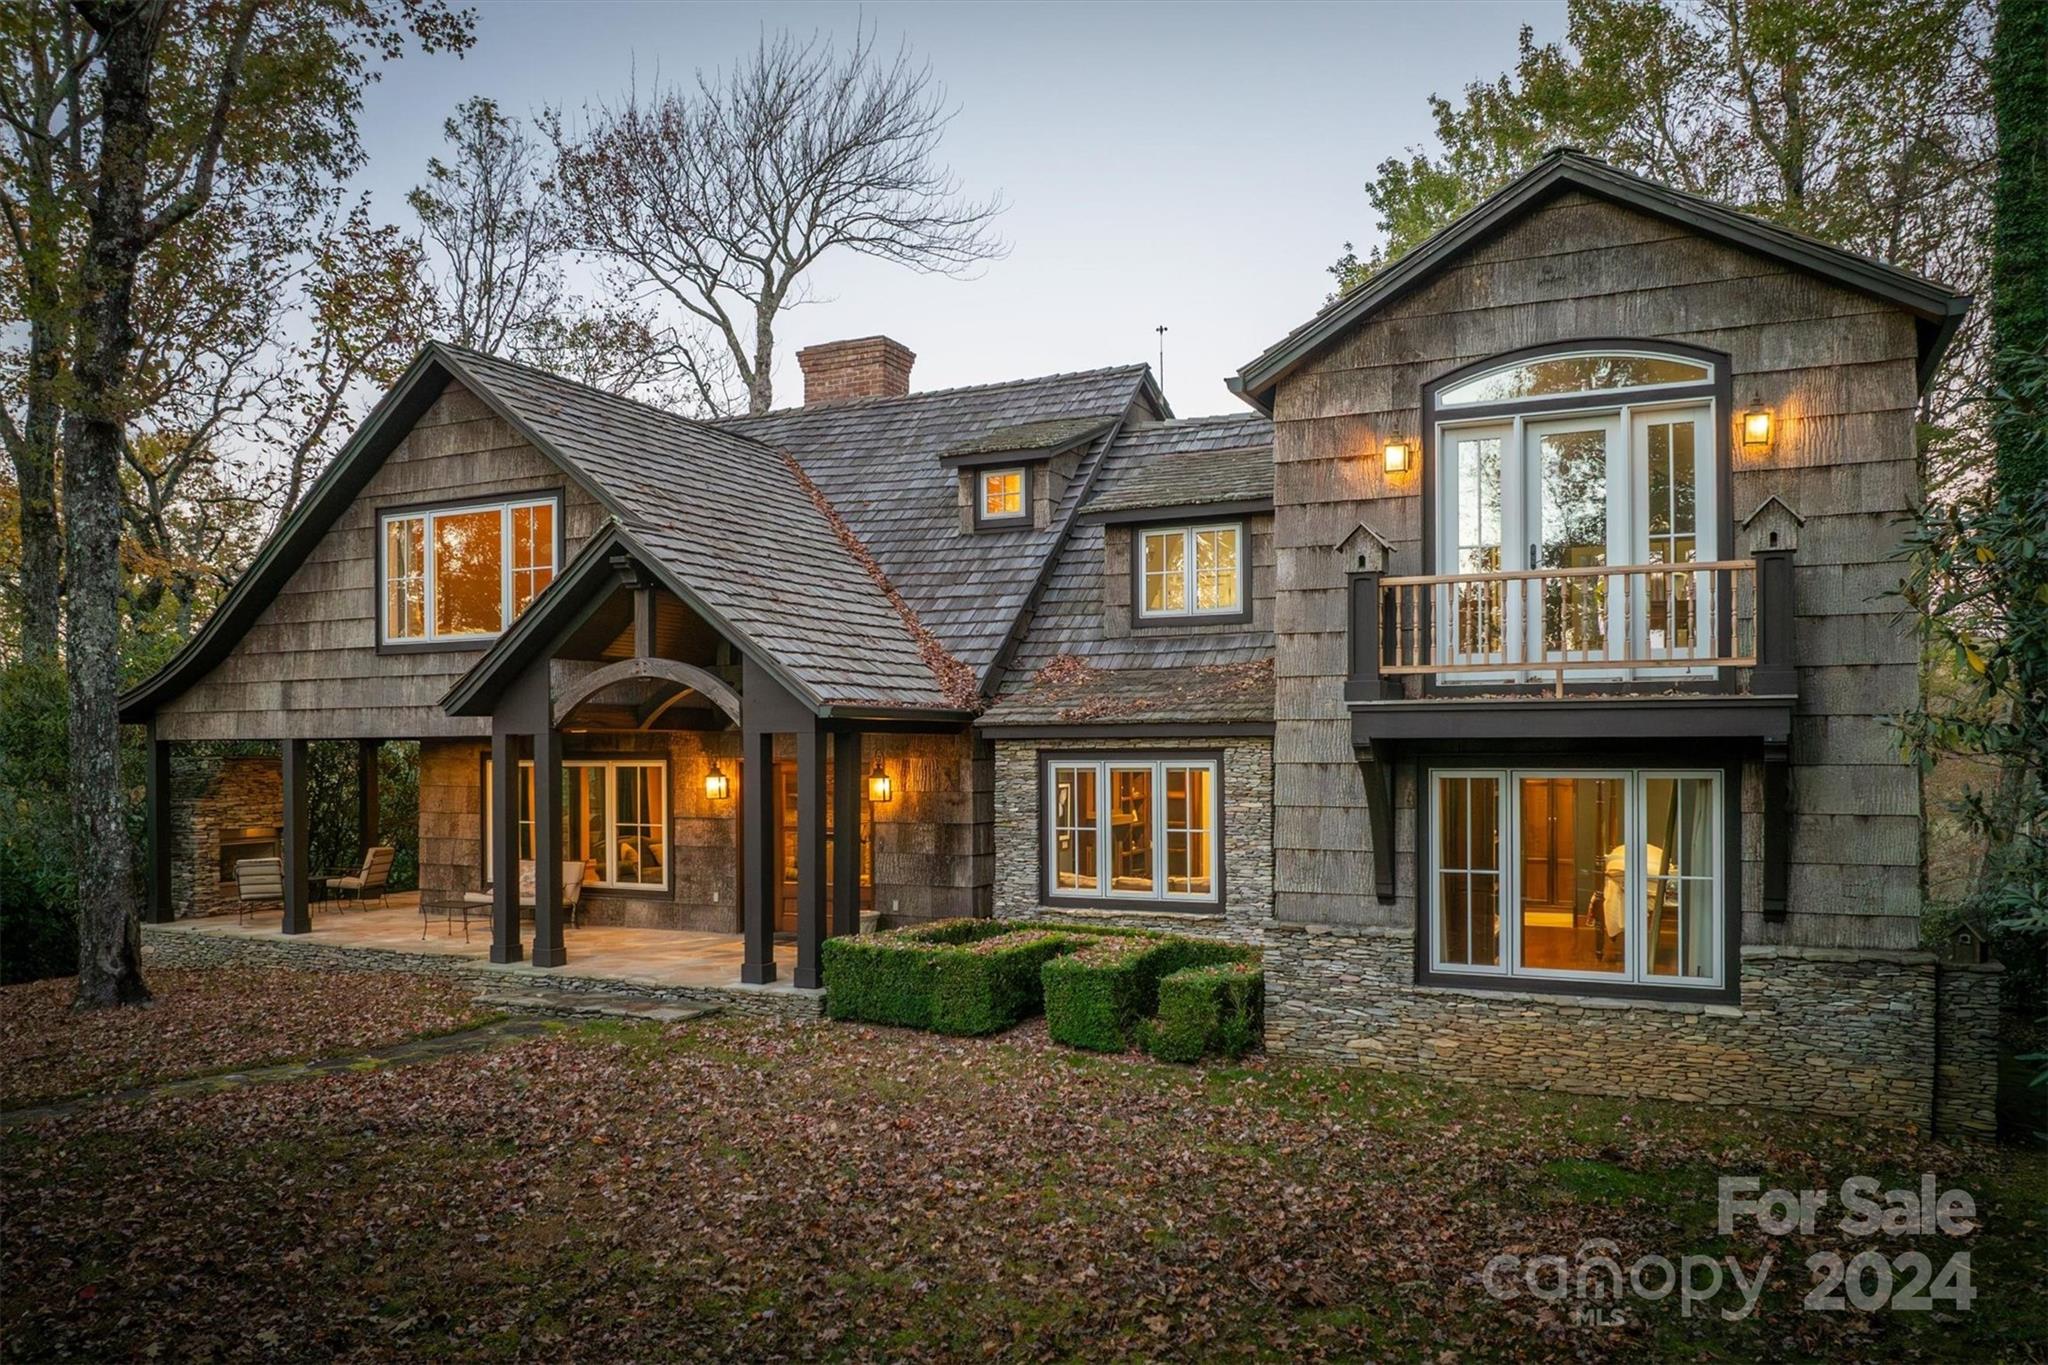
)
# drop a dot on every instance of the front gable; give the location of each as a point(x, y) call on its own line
point(307, 664)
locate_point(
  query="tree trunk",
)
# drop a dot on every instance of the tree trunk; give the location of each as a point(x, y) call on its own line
point(109, 929)
point(761, 384)
point(35, 476)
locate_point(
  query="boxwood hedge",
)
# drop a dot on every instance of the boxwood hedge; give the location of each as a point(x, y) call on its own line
point(1095, 996)
point(967, 976)
point(1219, 1008)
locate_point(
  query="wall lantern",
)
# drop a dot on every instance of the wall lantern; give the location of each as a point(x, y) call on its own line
point(1756, 429)
point(1396, 457)
point(717, 786)
point(880, 788)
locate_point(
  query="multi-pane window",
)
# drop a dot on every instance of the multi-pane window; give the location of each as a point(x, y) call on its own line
point(1191, 570)
point(1002, 495)
point(1132, 828)
point(464, 573)
point(613, 819)
point(1597, 875)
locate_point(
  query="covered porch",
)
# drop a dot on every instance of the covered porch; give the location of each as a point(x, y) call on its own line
point(637, 957)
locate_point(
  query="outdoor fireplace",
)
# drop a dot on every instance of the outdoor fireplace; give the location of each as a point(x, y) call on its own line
point(250, 841)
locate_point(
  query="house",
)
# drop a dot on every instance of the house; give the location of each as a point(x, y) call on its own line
point(1515, 670)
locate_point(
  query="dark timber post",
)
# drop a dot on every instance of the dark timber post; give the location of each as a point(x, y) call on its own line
point(505, 847)
point(1775, 606)
point(368, 826)
point(757, 796)
point(847, 783)
point(810, 856)
point(1362, 675)
point(297, 836)
point(547, 849)
point(157, 811)
point(1777, 819)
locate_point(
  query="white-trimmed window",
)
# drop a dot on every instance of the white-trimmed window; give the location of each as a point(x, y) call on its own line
point(1578, 874)
point(1191, 570)
point(464, 573)
point(1002, 495)
point(1132, 829)
point(614, 818)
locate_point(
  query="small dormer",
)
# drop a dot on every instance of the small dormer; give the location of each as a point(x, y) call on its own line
point(1011, 478)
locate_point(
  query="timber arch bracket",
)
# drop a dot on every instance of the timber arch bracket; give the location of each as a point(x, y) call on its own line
point(681, 674)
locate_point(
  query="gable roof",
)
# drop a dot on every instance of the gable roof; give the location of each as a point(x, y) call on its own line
point(1214, 463)
point(876, 461)
point(1938, 309)
point(731, 522)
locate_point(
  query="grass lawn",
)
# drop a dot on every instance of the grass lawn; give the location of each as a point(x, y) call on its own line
point(737, 1189)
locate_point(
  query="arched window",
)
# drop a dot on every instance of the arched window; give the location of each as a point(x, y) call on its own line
point(1558, 462)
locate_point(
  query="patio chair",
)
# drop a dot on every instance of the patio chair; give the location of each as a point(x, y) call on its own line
point(375, 875)
point(258, 880)
point(572, 890)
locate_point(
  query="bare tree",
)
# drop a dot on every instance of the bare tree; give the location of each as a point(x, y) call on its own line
point(719, 197)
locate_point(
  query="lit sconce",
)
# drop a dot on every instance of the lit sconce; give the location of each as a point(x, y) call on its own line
point(880, 788)
point(717, 786)
point(1756, 429)
point(1396, 457)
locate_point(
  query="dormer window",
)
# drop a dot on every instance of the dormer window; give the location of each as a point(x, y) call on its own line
point(1002, 496)
point(1191, 571)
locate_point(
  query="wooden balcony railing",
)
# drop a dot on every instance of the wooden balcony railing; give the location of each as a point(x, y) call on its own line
point(1648, 622)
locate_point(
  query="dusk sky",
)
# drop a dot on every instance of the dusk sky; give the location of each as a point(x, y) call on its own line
point(1197, 165)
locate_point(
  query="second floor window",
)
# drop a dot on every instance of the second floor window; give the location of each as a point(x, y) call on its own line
point(1002, 496)
point(464, 573)
point(1191, 571)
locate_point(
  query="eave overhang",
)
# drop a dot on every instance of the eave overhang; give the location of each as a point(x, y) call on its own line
point(1938, 310)
point(1189, 511)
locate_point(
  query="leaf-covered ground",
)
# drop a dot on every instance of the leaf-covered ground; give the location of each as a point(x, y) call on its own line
point(727, 1189)
point(201, 1021)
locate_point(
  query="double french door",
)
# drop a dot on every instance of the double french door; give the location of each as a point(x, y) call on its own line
point(1537, 514)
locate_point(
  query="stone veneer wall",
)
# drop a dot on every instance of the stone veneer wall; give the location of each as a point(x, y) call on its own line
point(236, 793)
point(171, 946)
point(1838, 1031)
point(1247, 836)
point(1966, 1050)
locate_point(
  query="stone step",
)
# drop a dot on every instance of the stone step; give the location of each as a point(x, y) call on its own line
point(591, 1005)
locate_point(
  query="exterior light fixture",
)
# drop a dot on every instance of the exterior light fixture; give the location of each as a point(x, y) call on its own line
point(880, 788)
point(1756, 429)
point(1396, 457)
point(717, 786)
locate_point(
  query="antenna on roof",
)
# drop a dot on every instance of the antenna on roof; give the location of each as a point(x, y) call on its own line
point(1161, 329)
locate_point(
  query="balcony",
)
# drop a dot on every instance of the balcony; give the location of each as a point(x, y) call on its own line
point(1626, 651)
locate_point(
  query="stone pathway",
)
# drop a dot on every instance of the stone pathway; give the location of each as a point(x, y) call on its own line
point(537, 1012)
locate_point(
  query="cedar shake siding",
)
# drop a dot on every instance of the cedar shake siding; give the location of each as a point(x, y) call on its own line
point(309, 667)
point(1835, 365)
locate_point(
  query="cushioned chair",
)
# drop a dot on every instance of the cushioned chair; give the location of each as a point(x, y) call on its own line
point(371, 880)
point(572, 890)
point(258, 881)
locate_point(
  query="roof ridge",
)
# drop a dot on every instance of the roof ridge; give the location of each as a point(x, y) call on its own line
point(841, 405)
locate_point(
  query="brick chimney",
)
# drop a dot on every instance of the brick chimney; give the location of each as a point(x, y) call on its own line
point(868, 367)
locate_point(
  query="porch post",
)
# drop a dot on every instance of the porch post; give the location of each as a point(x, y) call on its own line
point(368, 826)
point(157, 811)
point(505, 847)
point(297, 836)
point(810, 856)
point(757, 797)
point(846, 793)
point(547, 849)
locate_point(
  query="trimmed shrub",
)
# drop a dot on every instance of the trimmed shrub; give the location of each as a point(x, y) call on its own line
point(1095, 996)
point(990, 984)
point(878, 979)
point(1218, 1008)
point(963, 976)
